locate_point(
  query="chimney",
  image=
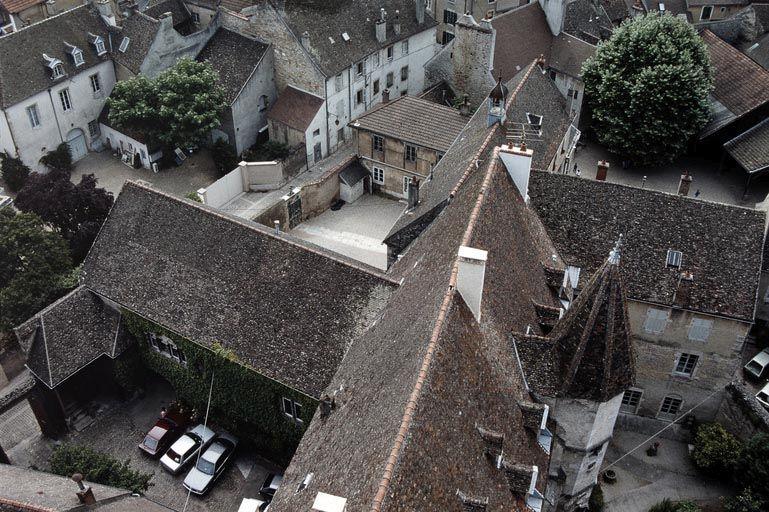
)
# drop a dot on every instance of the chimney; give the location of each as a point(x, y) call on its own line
point(517, 160)
point(84, 493)
point(603, 170)
point(385, 95)
point(684, 184)
point(306, 40)
point(464, 107)
point(381, 26)
point(413, 192)
point(472, 270)
point(105, 9)
point(397, 23)
point(541, 62)
point(277, 226)
point(534, 415)
point(684, 289)
point(327, 404)
point(521, 479)
point(420, 11)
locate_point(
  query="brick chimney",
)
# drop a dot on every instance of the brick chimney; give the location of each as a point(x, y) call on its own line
point(397, 23)
point(517, 160)
point(385, 95)
point(381, 26)
point(472, 271)
point(684, 184)
point(84, 493)
point(603, 170)
point(420, 11)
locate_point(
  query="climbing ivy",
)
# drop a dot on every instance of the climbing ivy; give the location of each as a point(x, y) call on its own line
point(242, 401)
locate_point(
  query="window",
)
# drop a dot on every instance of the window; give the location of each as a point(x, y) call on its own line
point(66, 104)
point(377, 143)
point(340, 135)
point(707, 12)
point(195, 17)
point(429, 5)
point(449, 17)
point(34, 119)
point(100, 48)
point(673, 259)
point(631, 400)
point(378, 175)
point(360, 68)
point(338, 82)
point(390, 53)
point(404, 73)
point(656, 320)
point(95, 84)
point(591, 466)
point(124, 44)
point(376, 86)
point(686, 364)
point(359, 97)
point(93, 129)
point(446, 37)
point(411, 153)
point(572, 94)
point(722, 9)
point(405, 47)
point(406, 181)
point(58, 71)
point(670, 407)
point(439, 155)
point(376, 60)
point(595, 452)
point(166, 347)
point(535, 120)
point(292, 409)
point(390, 79)
point(699, 329)
point(77, 55)
point(316, 133)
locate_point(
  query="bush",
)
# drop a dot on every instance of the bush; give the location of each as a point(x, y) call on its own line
point(688, 506)
point(266, 151)
point(193, 196)
point(595, 504)
point(746, 501)
point(716, 451)
point(15, 173)
point(225, 157)
point(58, 160)
point(752, 468)
point(675, 506)
point(97, 467)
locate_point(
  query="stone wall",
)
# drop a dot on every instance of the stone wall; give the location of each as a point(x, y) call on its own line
point(741, 414)
point(169, 46)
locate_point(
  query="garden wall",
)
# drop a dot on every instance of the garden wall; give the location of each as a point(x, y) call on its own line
point(741, 414)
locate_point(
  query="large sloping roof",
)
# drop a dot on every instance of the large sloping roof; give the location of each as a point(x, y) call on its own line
point(23, 71)
point(140, 30)
point(294, 108)
point(741, 85)
point(522, 35)
point(287, 309)
point(326, 21)
point(721, 244)
point(751, 149)
point(414, 120)
point(234, 57)
point(569, 53)
point(16, 6)
point(179, 12)
point(587, 20)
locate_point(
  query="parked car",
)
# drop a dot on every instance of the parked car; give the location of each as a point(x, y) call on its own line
point(758, 367)
point(270, 485)
point(253, 505)
point(763, 396)
point(211, 464)
point(186, 449)
point(165, 431)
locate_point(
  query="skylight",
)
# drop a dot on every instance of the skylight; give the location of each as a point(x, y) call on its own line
point(124, 44)
point(673, 259)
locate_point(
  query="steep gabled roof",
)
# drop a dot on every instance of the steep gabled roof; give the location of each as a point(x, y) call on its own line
point(522, 35)
point(587, 20)
point(16, 6)
point(286, 308)
point(294, 108)
point(141, 31)
point(751, 149)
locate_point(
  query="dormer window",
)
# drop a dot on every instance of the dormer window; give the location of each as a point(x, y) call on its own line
point(58, 71)
point(55, 65)
point(124, 44)
point(76, 54)
point(98, 44)
point(673, 259)
point(535, 121)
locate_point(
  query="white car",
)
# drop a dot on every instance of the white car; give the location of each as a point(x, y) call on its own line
point(186, 449)
point(253, 505)
point(758, 366)
point(211, 464)
point(763, 396)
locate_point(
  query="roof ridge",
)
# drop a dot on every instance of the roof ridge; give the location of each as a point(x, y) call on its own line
point(35, 24)
point(746, 132)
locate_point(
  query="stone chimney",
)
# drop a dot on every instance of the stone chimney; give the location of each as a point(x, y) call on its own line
point(84, 493)
point(277, 226)
point(385, 95)
point(413, 192)
point(381, 26)
point(471, 59)
point(306, 40)
point(603, 170)
point(472, 271)
point(464, 107)
point(517, 160)
point(105, 9)
point(521, 479)
point(420, 11)
point(397, 23)
point(684, 184)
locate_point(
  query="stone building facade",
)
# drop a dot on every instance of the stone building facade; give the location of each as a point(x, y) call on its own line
point(447, 12)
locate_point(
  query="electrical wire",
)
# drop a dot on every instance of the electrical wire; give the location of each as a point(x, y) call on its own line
point(205, 424)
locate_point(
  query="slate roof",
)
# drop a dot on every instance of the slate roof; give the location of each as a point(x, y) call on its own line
point(414, 120)
point(294, 108)
point(179, 12)
point(617, 10)
point(324, 20)
point(16, 6)
point(353, 172)
point(69, 334)
point(234, 57)
point(740, 86)
point(289, 310)
point(581, 215)
point(412, 444)
point(759, 51)
point(569, 53)
point(751, 149)
point(587, 19)
point(141, 31)
point(23, 72)
point(762, 16)
point(522, 35)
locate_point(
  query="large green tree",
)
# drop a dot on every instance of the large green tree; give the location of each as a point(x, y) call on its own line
point(647, 88)
point(178, 108)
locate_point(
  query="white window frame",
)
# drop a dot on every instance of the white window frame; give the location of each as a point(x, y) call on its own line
point(656, 320)
point(65, 100)
point(77, 55)
point(700, 329)
point(166, 347)
point(291, 409)
point(58, 70)
point(378, 175)
point(100, 48)
point(683, 360)
point(33, 115)
point(338, 82)
point(124, 44)
point(376, 60)
point(636, 396)
point(390, 53)
point(375, 138)
point(360, 97)
point(404, 71)
point(406, 149)
point(95, 83)
point(405, 47)
point(360, 68)
point(674, 258)
point(670, 415)
point(93, 129)
point(702, 12)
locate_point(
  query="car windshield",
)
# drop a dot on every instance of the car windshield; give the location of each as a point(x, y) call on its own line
point(150, 442)
point(754, 367)
point(205, 466)
point(763, 396)
point(174, 456)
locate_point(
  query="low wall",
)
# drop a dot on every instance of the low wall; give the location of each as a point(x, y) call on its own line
point(650, 426)
point(278, 211)
point(741, 414)
point(247, 177)
point(224, 189)
point(318, 195)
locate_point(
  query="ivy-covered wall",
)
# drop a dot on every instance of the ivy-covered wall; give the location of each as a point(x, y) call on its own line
point(243, 401)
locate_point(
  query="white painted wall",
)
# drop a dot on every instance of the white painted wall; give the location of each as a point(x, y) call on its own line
point(247, 118)
point(6, 142)
point(224, 189)
point(120, 142)
point(318, 124)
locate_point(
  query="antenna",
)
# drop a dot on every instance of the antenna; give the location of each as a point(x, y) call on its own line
point(523, 132)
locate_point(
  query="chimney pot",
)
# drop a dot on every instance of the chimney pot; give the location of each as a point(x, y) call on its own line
point(277, 226)
point(385, 95)
point(472, 271)
point(84, 493)
point(603, 170)
point(684, 184)
point(397, 23)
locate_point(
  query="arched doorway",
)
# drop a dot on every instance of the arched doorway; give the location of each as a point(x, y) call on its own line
point(76, 143)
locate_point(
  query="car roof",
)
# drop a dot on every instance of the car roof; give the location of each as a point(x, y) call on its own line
point(214, 451)
point(183, 444)
point(157, 432)
point(762, 357)
point(203, 431)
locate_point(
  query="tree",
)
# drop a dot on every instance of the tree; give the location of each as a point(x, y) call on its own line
point(15, 173)
point(225, 157)
point(34, 267)
point(752, 469)
point(716, 451)
point(97, 467)
point(179, 108)
point(647, 88)
point(75, 211)
point(59, 160)
point(746, 501)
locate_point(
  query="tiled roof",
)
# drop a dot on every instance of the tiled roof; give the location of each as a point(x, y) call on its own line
point(617, 10)
point(759, 51)
point(141, 30)
point(23, 72)
point(751, 149)
point(294, 108)
point(721, 244)
point(522, 35)
point(286, 308)
point(698, 3)
point(327, 21)
point(414, 120)
point(587, 20)
point(234, 57)
point(740, 85)
point(69, 334)
point(16, 6)
point(569, 53)
point(179, 12)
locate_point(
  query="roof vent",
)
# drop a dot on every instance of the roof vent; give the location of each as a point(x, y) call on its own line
point(305, 482)
point(472, 504)
point(493, 442)
point(346, 37)
point(329, 503)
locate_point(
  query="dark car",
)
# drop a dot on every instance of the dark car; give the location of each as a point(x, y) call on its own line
point(270, 485)
point(165, 431)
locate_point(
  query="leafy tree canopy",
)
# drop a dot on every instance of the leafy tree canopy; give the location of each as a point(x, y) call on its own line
point(647, 88)
point(753, 468)
point(177, 109)
point(98, 467)
point(716, 451)
point(15, 173)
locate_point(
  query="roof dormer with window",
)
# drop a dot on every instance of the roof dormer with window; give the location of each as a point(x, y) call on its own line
point(124, 44)
point(55, 65)
point(76, 54)
point(98, 44)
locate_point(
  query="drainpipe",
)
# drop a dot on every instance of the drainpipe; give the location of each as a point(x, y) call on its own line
point(349, 95)
point(328, 126)
point(50, 96)
point(10, 131)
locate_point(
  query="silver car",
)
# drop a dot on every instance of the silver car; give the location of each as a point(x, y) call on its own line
point(186, 449)
point(211, 464)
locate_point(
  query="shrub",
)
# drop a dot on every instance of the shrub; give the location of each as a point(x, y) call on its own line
point(752, 468)
point(716, 451)
point(193, 196)
point(688, 506)
point(15, 173)
point(675, 506)
point(746, 501)
point(60, 159)
point(266, 151)
point(595, 504)
point(97, 467)
point(225, 157)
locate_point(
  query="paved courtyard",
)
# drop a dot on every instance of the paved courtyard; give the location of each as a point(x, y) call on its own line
point(196, 172)
point(356, 230)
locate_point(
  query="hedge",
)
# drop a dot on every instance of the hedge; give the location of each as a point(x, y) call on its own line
point(97, 467)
